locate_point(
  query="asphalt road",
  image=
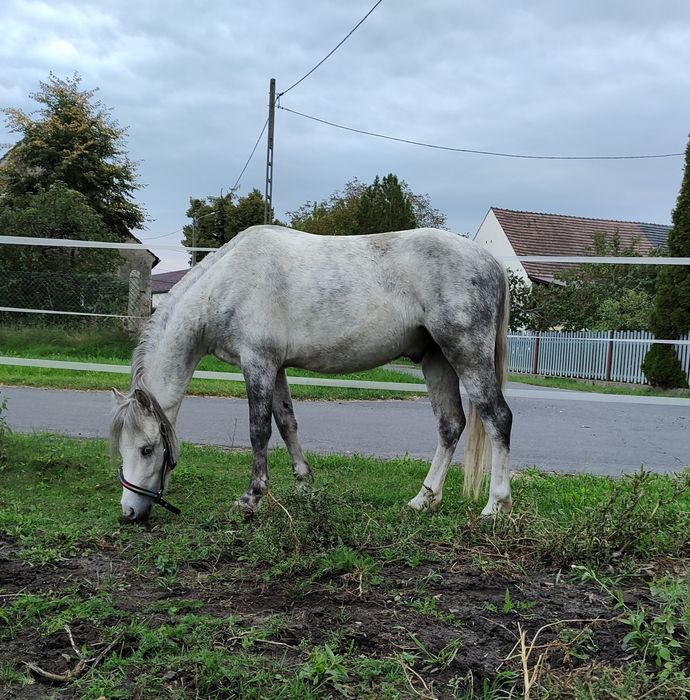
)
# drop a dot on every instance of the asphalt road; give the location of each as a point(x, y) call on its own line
point(551, 432)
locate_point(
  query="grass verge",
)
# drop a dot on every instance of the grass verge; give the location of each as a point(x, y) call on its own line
point(342, 592)
point(112, 346)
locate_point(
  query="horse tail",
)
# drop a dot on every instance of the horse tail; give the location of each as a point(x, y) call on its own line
point(478, 450)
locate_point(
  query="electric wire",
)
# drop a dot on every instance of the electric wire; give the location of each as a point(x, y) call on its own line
point(164, 235)
point(471, 150)
point(251, 155)
point(330, 53)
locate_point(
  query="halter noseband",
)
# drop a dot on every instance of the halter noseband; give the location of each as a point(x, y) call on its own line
point(168, 466)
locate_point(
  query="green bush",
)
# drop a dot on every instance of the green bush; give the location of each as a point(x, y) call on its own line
point(662, 368)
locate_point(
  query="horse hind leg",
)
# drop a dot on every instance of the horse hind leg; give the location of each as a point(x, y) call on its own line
point(486, 395)
point(444, 393)
point(287, 425)
point(260, 379)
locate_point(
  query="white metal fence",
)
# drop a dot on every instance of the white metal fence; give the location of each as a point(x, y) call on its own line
point(604, 355)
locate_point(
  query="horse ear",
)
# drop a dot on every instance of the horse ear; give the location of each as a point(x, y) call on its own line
point(119, 396)
point(143, 399)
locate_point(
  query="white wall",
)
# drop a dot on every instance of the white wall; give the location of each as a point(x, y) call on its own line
point(492, 236)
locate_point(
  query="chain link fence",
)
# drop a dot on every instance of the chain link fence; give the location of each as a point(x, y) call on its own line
point(72, 292)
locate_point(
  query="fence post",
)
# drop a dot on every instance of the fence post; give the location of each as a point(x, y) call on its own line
point(609, 358)
point(535, 354)
point(134, 300)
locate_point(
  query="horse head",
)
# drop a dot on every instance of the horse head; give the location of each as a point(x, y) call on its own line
point(146, 440)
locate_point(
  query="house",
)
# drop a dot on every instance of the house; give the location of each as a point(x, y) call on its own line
point(162, 283)
point(508, 233)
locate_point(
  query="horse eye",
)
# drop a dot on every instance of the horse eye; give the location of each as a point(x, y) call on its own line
point(147, 451)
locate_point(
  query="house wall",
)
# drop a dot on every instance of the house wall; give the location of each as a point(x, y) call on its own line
point(492, 236)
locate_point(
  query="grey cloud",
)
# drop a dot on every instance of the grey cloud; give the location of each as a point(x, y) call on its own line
point(191, 80)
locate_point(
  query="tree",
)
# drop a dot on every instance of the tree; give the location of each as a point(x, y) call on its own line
point(65, 279)
point(384, 206)
point(671, 313)
point(340, 214)
point(220, 219)
point(72, 140)
point(335, 216)
point(68, 176)
point(591, 296)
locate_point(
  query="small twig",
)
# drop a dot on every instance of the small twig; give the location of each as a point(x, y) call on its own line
point(291, 522)
point(428, 694)
point(262, 641)
point(71, 641)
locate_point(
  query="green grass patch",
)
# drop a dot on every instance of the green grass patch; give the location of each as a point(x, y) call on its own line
point(597, 387)
point(113, 346)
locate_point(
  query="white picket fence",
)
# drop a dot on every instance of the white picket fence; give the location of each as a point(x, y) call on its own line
point(606, 355)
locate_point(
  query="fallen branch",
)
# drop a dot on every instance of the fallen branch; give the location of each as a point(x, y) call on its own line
point(83, 665)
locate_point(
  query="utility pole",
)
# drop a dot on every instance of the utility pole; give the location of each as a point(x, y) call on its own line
point(268, 210)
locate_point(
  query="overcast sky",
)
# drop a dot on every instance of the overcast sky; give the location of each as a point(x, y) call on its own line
point(546, 77)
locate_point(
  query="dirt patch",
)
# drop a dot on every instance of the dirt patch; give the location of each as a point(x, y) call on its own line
point(457, 618)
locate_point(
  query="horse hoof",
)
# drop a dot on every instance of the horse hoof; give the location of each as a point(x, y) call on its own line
point(424, 501)
point(304, 485)
point(493, 509)
point(247, 506)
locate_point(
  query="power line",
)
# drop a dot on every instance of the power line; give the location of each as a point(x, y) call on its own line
point(474, 151)
point(330, 53)
point(251, 155)
point(165, 235)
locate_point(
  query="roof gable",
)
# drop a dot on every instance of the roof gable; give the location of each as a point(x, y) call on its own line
point(532, 233)
point(163, 282)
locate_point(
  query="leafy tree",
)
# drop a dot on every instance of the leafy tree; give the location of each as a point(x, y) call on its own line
point(520, 302)
point(220, 219)
point(671, 314)
point(340, 214)
point(336, 215)
point(72, 139)
point(384, 206)
point(591, 296)
point(68, 176)
point(65, 279)
point(631, 310)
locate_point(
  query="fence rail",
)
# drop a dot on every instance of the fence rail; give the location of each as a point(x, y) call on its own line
point(609, 356)
point(614, 356)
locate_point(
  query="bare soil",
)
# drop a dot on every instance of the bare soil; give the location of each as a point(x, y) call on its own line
point(433, 605)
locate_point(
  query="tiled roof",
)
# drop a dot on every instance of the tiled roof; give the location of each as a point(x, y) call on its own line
point(164, 281)
point(532, 233)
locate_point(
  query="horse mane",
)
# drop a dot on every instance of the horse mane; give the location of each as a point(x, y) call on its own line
point(129, 412)
point(158, 320)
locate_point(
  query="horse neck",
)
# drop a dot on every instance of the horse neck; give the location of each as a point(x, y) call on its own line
point(167, 356)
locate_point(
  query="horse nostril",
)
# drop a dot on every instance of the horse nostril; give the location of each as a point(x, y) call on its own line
point(129, 515)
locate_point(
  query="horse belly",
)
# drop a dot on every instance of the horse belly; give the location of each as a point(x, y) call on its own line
point(339, 347)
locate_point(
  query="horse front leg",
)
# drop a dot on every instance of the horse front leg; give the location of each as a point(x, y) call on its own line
point(260, 380)
point(284, 415)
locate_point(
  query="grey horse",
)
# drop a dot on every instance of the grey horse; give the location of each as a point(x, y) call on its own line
point(274, 298)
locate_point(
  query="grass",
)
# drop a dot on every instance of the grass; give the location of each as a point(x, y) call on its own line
point(589, 385)
point(113, 346)
point(597, 387)
point(341, 592)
